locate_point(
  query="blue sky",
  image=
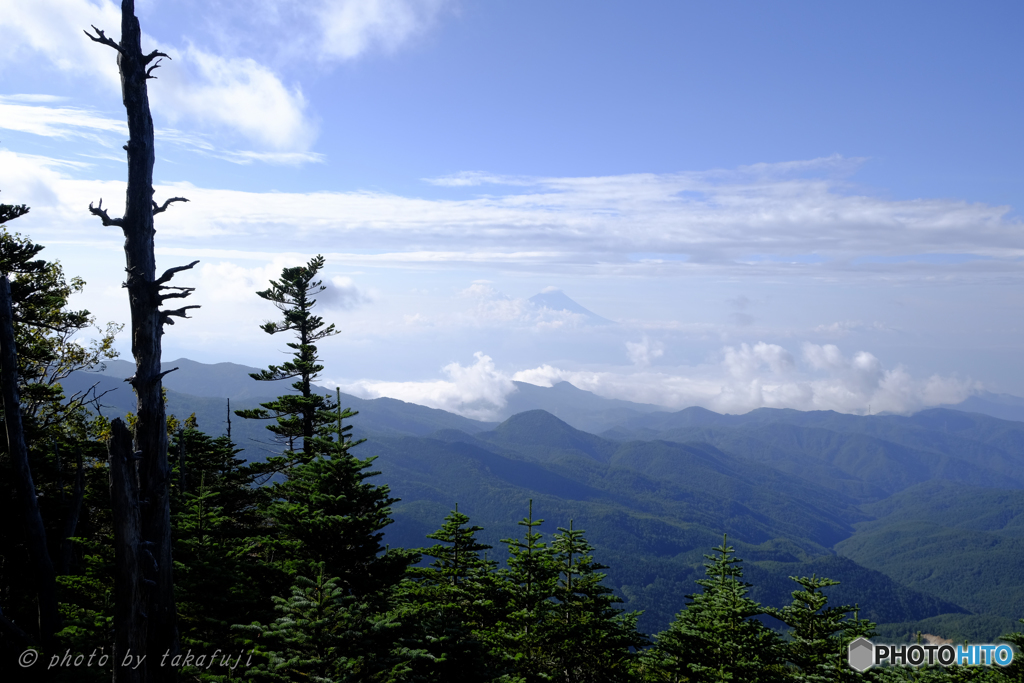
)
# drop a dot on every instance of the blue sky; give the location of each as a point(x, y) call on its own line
point(807, 205)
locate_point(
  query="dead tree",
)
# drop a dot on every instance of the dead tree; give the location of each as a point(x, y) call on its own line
point(131, 553)
point(35, 532)
point(146, 293)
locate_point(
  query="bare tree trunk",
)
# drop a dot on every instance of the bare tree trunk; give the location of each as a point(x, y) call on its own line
point(130, 633)
point(67, 548)
point(35, 532)
point(146, 292)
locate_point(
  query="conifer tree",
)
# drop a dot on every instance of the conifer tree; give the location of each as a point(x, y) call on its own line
point(299, 417)
point(450, 603)
point(715, 637)
point(223, 574)
point(524, 633)
point(317, 626)
point(326, 511)
point(592, 640)
point(820, 634)
point(457, 557)
point(326, 635)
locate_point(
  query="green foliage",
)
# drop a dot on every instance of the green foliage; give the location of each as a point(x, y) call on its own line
point(531, 579)
point(301, 416)
point(310, 638)
point(66, 462)
point(326, 635)
point(715, 637)
point(820, 634)
point(592, 640)
point(46, 332)
point(449, 604)
point(327, 511)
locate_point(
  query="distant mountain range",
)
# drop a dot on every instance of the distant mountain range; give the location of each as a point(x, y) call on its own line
point(920, 517)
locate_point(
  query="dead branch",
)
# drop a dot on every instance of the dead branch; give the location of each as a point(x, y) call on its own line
point(153, 55)
point(166, 372)
point(165, 316)
point(163, 207)
point(100, 37)
point(180, 294)
point(81, 398)
point(169, 273)
point(102, 213)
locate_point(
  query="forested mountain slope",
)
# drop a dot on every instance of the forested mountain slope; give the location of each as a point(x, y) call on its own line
point(918, 516)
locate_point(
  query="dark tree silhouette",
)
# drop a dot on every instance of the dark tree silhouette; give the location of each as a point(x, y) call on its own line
point(45, 580)
point(146, 293)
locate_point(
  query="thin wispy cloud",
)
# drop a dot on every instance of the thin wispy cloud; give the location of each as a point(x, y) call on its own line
point(351, 28)
point(212, 91)
point(599, 223)
point(27, 114)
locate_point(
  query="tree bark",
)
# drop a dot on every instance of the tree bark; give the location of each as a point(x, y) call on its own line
point(143, 296)
point(35, 532)
point(130, 633)
point(146, 292)
point(67, 548)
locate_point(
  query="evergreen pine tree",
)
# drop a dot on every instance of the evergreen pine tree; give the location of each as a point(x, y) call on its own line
point(317, 628)
point(327, 511)
point(715, 637)
point(301, 416)
point(592, 640)
point(222, 574)
point(325, 635)
point(449, 603)
point(820, 635)
point(524, 633)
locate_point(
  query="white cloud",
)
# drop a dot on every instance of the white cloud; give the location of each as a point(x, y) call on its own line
point(223, 92)
point(489, 307)
point(54, 29)
point(342, 293)
point(234, 89)
point(225, 281)
point(641, 353)
point(233, 93)
point(845, 327)
point(477, 391)
point(578, 223)
point(747, 377)
point(351, 28)
point(58, 122)
point(476, 178)
point(748, 362)
point(583, 225)
point(278, 158)
point(29, 114)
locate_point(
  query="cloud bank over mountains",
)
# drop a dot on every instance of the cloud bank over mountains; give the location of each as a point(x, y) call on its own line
point(745, 378)
point(735, 379)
